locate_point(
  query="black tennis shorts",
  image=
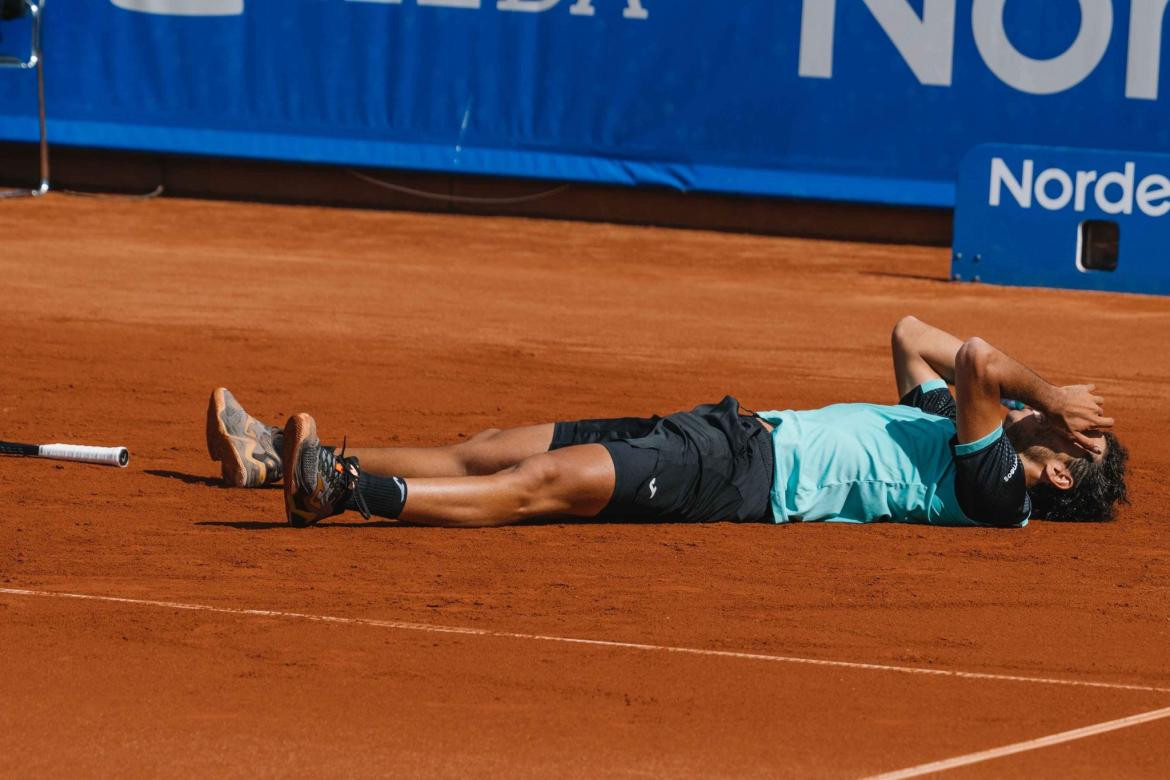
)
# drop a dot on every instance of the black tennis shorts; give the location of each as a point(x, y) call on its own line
point(705, 465)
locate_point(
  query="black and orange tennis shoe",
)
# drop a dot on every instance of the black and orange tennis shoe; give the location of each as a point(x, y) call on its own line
point(248, 450)
point(320, 482)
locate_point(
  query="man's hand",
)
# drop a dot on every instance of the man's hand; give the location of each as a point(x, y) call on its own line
point(1079, 414)
point(986, 375)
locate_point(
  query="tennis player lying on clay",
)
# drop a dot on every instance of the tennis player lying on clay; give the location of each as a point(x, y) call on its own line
point(932, 458)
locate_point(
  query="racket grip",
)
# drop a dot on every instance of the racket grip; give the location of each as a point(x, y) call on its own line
point(105, 456)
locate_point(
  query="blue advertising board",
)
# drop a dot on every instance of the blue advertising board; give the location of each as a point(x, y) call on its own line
point(860, 100)
point(1088, 219)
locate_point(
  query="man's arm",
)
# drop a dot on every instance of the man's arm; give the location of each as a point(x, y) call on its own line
point(984, 375)
point(922, 353)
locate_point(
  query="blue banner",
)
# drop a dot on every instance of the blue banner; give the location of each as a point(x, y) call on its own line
point(1085, 219)
point(861, 100)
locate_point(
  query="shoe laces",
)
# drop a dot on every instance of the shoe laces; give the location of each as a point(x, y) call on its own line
point(342, 483)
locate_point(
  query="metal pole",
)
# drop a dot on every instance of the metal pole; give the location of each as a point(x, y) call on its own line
point(36, 62)
point(37, 20)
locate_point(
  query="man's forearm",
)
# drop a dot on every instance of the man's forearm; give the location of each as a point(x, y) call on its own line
point(984, 374)
point(1006, 377)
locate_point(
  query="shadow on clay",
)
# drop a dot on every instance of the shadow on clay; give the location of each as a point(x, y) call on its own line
point(199, 479)
point(261, 525)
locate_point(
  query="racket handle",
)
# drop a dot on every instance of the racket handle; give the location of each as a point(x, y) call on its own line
point(105, 456)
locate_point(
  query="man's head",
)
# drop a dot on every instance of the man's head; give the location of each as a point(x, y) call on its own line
point(1065, 481)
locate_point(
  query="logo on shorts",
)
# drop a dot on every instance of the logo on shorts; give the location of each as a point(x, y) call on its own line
point(1015, 467)
point(653, 487)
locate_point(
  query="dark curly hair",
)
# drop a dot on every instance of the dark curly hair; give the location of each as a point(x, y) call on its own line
point(1098, 488)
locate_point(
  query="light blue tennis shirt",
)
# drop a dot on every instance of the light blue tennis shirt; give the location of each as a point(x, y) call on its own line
point(864, 463)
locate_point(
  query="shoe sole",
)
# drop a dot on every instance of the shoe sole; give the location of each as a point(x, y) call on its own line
point(298, 428)
point(221, 448)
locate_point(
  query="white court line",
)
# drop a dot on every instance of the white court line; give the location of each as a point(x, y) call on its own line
point(1020, 747)
point(484, 632)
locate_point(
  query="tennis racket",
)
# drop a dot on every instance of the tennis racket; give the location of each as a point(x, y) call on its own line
point(80, 453)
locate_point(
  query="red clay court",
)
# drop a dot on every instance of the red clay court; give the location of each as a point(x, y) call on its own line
point(205, 636)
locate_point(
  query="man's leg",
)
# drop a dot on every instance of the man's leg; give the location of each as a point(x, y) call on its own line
point(484, 453)
point(250, 451)
point(577, 481)
point(494, 450)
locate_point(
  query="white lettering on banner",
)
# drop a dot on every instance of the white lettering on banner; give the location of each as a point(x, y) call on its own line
point(927, 43)
point(183, 7)
point(1066, 189)
point(818, 20)
point(1146, 18)
point(530, 6)
point(1122, 180)
point(1115, 192)
point(1084, 179)
point(1020, 190)
point(471, 4)
point(1042, 77)
point(1153, 189)
point(634, 8)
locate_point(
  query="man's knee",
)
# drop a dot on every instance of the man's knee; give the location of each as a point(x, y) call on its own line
point(539, 471)
point(535, 480)
point(477, 453)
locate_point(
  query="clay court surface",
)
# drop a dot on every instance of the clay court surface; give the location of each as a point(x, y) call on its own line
point(120, 317)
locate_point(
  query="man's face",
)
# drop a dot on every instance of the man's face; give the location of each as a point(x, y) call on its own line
point(1034, 438)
